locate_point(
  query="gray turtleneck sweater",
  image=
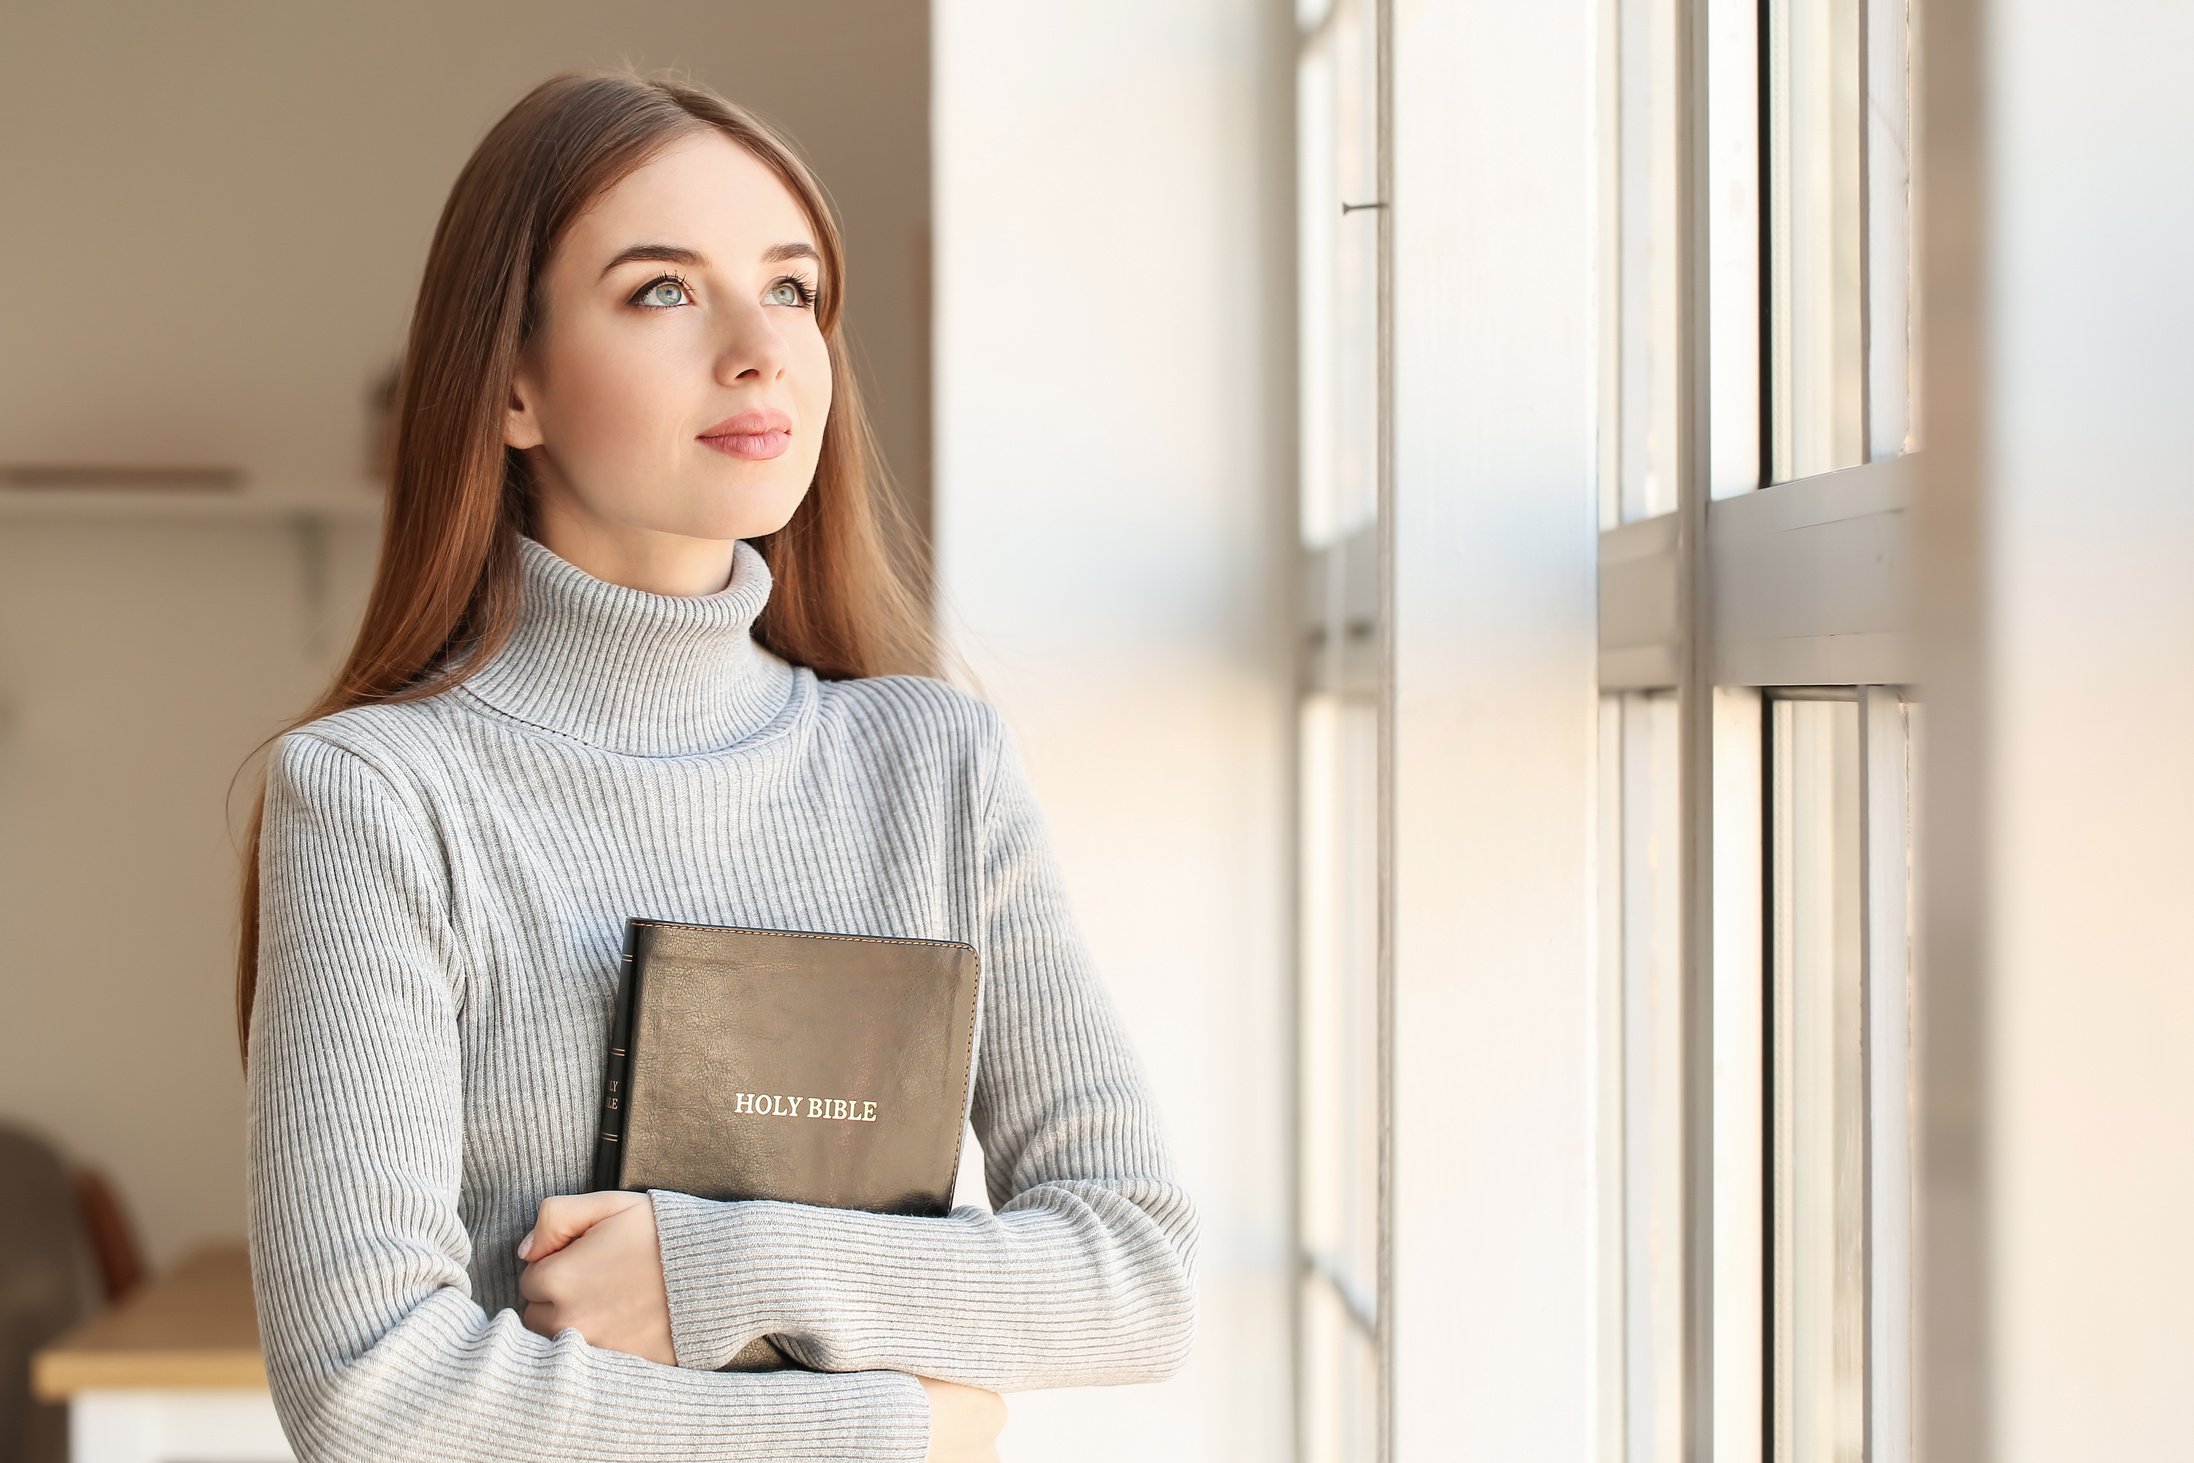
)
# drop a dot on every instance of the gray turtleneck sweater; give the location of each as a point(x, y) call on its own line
point(443, 891)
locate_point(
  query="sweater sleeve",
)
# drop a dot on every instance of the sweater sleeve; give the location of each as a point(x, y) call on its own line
point(375, 1347)
point(1084, 1274)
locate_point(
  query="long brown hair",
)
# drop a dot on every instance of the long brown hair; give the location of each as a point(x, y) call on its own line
point(843, 600)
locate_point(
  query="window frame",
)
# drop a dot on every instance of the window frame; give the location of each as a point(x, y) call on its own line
point(1747, 589)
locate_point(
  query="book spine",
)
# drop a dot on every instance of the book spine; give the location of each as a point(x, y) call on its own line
point(608, 1147)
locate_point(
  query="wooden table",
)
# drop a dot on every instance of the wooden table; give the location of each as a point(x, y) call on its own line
point(173, 1372)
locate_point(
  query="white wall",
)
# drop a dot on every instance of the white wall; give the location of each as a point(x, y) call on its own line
point(1495, 740)
point(1115, 395)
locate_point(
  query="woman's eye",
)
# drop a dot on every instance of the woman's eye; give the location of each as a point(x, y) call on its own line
point(803, 294)
point(667, 282)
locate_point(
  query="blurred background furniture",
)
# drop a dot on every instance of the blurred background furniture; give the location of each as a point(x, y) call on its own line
point(171, 1372)
point(98, 1362)
point(65, 1251)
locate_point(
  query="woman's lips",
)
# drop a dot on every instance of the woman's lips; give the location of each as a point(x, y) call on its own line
point(750, 444)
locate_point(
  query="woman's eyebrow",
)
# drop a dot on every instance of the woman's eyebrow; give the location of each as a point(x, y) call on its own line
point(678, 254)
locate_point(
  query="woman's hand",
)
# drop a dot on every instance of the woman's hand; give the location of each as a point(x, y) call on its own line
point(593, 1262)
point(963, 1422)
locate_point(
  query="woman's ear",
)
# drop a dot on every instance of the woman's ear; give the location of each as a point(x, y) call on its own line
point(521, 423)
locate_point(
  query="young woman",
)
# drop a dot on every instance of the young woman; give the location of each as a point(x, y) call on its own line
point(638, 643)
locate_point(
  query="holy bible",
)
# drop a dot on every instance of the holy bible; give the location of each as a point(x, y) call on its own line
point(805, 1065)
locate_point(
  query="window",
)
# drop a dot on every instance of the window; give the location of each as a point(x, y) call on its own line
point(1340, 1206)
point(1739, 936)
point(1757, 725)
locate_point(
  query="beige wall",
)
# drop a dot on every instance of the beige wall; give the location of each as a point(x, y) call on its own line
point(2055, 1004)
point(214, 222)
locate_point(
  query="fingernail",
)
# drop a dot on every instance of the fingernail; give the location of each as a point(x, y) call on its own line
point(525, 1246)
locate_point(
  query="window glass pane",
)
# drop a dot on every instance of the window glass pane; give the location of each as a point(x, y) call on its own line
point(1890, 727)
point(1816, 239)
point(1340, 1393)
point(1337, 279)
point(1639, 859)
point(1337, 1117)
point(1338, 1084)
point(1642, 259)
point(1738, 1090)
point(1640, 253)
point(1818, 1085)
point(1607, 1094)
point(1733, 245)
point(1890, 409)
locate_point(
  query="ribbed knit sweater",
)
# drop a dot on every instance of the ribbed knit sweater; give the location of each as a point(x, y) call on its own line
point(444, 885)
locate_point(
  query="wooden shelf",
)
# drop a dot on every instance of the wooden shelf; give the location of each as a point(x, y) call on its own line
point(352, 503)
point(310, 521)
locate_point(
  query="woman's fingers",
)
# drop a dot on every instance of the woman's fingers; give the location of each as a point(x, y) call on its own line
point(562, 1218)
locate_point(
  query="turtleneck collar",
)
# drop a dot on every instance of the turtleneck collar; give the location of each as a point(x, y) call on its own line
point(633, 671)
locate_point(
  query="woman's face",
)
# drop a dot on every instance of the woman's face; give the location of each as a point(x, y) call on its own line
point(637, 361)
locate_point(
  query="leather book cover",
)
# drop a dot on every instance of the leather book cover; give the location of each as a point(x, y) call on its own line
point(813, 1066)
